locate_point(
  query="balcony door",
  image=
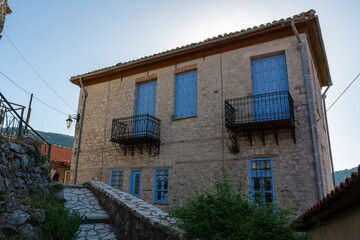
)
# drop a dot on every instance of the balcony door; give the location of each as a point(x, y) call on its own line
point(270, 82)
point(146, 104)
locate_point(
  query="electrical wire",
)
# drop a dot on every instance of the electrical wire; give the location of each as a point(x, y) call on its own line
point(339, 97)
point(37, 73)
point(33, 96)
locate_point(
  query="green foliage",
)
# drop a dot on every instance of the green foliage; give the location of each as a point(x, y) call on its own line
point(57, 139)
point(2, 237)
point(226, 213)
point(61, 223)
point(340, 176)
point(37, 156)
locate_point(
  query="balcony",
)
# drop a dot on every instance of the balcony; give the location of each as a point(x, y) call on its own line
point(271, 111)
point(136, 133)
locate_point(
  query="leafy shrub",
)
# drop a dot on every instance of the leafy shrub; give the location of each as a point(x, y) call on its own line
point(60, 223)
point(37, 156)
point(225, 213)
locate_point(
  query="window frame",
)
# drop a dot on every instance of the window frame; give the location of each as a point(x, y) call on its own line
point(262, 184)
point(175, 115)
point(132, 182)
point(122, 180)
point(162, 201)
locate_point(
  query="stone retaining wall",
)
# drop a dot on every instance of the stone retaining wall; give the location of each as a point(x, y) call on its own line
point(132, 217)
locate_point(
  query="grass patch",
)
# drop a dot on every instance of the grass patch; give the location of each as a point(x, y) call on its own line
point(60, 223)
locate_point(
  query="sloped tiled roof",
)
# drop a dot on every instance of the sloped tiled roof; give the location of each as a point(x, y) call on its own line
point(343, 197)
point(62, 155)
point(298, 17)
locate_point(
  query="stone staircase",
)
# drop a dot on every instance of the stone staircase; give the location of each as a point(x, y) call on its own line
point(95, 224)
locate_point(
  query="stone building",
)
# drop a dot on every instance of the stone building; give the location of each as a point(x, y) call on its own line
point(337, 215)
point(163, 125)
point(60, 161)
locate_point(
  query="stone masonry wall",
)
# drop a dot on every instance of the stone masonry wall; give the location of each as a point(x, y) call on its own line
point(134, 218)
point(195, 149)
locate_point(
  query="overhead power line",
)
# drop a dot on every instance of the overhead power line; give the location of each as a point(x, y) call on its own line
point(339, 96)
point(34, 96)
point(37, 73)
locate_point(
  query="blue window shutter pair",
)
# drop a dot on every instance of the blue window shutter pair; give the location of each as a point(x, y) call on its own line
point(270, 75)
point(186, 95)
point(270, 84)
point(117, 179)
point(261, 181)
point(161, 188)
point(146, 98)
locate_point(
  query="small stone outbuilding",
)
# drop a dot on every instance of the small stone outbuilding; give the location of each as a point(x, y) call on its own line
point(337, 215)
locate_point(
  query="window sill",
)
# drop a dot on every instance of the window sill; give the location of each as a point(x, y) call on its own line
point(177, 119)
point(156, 203)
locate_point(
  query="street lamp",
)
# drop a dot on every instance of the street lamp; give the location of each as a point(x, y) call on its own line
point(71, 118)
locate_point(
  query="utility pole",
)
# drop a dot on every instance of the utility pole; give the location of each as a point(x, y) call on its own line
point(28, 114)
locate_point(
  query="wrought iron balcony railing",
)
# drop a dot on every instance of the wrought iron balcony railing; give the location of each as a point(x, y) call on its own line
point(259, 108)
point(142, 130)
point(270, 111)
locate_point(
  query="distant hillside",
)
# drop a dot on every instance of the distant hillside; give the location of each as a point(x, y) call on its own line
point(58, 139)
point(341, 175)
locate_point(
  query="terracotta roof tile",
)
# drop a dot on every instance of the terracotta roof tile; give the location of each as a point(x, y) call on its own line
point(308, 14)
point(59, 154)
point(341, 198)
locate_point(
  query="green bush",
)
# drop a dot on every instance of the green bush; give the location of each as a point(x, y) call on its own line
point(37, 156)
point(60, 223)
point(226, 213)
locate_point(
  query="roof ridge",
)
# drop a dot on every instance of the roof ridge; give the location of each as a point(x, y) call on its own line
point(61, 146)
point(301, 16)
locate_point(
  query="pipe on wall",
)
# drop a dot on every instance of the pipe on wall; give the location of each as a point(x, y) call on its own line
point(323, 96)
point(301, 45)
point(80, 130)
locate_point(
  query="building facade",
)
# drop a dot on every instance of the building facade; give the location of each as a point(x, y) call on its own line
point(164, 125)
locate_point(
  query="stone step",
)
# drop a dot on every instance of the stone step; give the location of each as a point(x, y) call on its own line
point(95, 218)
point(96, 231)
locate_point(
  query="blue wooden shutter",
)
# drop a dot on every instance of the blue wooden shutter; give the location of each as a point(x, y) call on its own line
point(135, 183)
point(270, 84)
point(161, 188)
point(270, 75)
point(117, 178)
point(186, 95)
point(146, 99)
point(261, 181)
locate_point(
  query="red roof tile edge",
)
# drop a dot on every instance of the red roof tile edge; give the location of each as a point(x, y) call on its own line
point(339, 199)
point(60, 154)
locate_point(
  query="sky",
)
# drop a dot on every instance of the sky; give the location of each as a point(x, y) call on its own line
point(65, 38)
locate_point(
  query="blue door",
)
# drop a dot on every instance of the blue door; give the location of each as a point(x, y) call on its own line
point(270, 88)
point(135, 183)
point(146, 104)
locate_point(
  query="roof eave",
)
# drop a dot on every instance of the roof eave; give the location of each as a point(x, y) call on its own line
point(321, 62)
point(109, 70)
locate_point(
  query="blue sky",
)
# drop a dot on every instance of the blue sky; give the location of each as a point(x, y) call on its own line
point(66, 38)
